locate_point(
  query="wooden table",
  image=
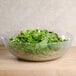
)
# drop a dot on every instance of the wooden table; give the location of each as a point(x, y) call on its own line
point(65, 66)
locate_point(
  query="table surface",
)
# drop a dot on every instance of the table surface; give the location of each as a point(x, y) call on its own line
point(64, 66)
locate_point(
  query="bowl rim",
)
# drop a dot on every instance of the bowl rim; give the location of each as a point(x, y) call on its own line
point(70, 37)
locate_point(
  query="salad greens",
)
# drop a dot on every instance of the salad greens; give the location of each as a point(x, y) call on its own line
point(35, 41)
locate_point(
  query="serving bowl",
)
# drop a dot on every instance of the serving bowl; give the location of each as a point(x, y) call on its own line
point(38, 52)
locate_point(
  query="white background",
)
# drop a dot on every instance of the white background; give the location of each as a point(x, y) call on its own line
point(49, 14)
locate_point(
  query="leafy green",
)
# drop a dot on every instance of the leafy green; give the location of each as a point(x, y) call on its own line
point(35, 41)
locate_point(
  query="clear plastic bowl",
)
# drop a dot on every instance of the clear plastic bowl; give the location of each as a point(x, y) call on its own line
point(53, 51)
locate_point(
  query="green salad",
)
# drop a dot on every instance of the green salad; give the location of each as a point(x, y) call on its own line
point(35, 41)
